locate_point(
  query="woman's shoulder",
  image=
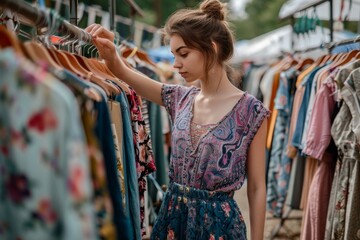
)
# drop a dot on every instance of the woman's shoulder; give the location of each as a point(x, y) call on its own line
point(178, 89)
point(251, 105)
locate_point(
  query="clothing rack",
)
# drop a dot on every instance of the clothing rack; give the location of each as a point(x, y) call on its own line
point(322, 46)
point(332, 45)
point(307, 6)
point(39, 18)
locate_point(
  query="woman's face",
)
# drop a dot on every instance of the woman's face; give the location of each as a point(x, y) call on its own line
point(188, 61)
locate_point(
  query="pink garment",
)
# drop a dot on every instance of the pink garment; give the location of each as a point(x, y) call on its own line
point(319, 132)
point(318, 140)
point(314, 222)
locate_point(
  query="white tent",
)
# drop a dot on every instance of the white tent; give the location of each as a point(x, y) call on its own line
point(292, 7)
point(273, 43)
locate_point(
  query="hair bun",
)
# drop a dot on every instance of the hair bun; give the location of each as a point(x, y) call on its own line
point(213, 9)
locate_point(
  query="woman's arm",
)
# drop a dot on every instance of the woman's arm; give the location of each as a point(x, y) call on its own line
point(143, 85)
point(256, 188)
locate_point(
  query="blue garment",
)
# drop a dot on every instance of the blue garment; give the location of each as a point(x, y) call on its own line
point(280, 163)
point(103, 132)
point(131, 214)
point(300, 123)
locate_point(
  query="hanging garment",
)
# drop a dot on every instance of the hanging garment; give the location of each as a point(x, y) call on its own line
point(307, 83)
point(293, 197)
point(131, 213)
point(343, 220)
point(43, 157)
point(104, 133)
point(280, 163)
point(317, 146)
point(212, 170)
point(144, 158)
point(101, 201)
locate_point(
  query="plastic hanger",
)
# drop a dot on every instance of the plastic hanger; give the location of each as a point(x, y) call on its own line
point(130, 52)
point(303, 63)
point(106, 70)
point(38, 53)
point(89, 74)
point(347, 58)
point(319, 60)
point(95, 76)
point(357, 55)
point(289, 64)
point(8, 39)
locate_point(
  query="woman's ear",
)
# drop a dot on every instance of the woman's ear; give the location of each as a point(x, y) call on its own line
point(214, 46)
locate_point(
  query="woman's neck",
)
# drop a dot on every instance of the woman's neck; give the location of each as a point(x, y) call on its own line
point(217, 83)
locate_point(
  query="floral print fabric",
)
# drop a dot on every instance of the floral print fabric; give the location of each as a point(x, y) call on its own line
point(144, 158)
point(343, 219)
point(44, 173)
point(189, 213)
point(216, 164)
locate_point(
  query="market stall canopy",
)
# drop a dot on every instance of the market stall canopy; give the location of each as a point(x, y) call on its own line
point(276, 42)
point(351, 9)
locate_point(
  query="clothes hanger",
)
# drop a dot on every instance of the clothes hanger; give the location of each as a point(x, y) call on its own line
point(303, 63)
point(95, 76)
point(8, 39)
point(131, 52)
point(357, 55)
point(37, 52)
point(320, 59)
point(65, 62)
point(289, 64)
point(347, 58)
point(109, 75)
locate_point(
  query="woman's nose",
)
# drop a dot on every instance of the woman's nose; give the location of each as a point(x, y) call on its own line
point(177, 63)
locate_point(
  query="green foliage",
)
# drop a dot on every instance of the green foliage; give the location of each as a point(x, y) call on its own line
point(262, 15)
point(262, 18)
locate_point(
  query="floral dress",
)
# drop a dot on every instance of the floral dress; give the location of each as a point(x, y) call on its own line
point(199, 203)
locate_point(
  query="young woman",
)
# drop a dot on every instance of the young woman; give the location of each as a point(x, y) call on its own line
point(218, 131)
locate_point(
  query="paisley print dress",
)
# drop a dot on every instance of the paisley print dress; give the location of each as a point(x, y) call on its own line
point(199, 203)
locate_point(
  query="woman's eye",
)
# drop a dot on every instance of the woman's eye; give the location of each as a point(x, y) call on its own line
point(183, 55)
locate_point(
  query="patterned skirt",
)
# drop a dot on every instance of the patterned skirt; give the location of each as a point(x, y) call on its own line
point(190, 213)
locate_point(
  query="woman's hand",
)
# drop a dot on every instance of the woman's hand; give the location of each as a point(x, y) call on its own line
point(103, 39)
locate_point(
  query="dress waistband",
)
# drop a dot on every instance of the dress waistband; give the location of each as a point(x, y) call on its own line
point(196, 193)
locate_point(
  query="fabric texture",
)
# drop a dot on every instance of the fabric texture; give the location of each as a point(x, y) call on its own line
point(217, 163)
point(46, 188)
point(343, 220)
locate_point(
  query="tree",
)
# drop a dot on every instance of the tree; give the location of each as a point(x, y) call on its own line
point(262, 18)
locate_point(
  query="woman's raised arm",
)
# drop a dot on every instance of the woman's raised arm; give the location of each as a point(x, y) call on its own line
point(103, 39)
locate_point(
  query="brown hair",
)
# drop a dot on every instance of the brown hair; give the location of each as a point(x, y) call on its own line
point(199, 28)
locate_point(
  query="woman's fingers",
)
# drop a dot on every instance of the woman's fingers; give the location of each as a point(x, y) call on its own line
point(105, 47)
point(96, 30)
point(90, 28)
point(103, 33)
point(103, 39)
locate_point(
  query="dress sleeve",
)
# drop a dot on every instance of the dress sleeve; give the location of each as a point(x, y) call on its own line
point(319, 132)
point(172, 97)
point(258, 112)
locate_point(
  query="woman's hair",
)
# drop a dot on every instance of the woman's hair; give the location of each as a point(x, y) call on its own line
point(199, 28)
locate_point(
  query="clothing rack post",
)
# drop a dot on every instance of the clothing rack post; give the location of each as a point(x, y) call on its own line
point(112, 11)
point(33, 16)
point(73, 12)
point(331, 20)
